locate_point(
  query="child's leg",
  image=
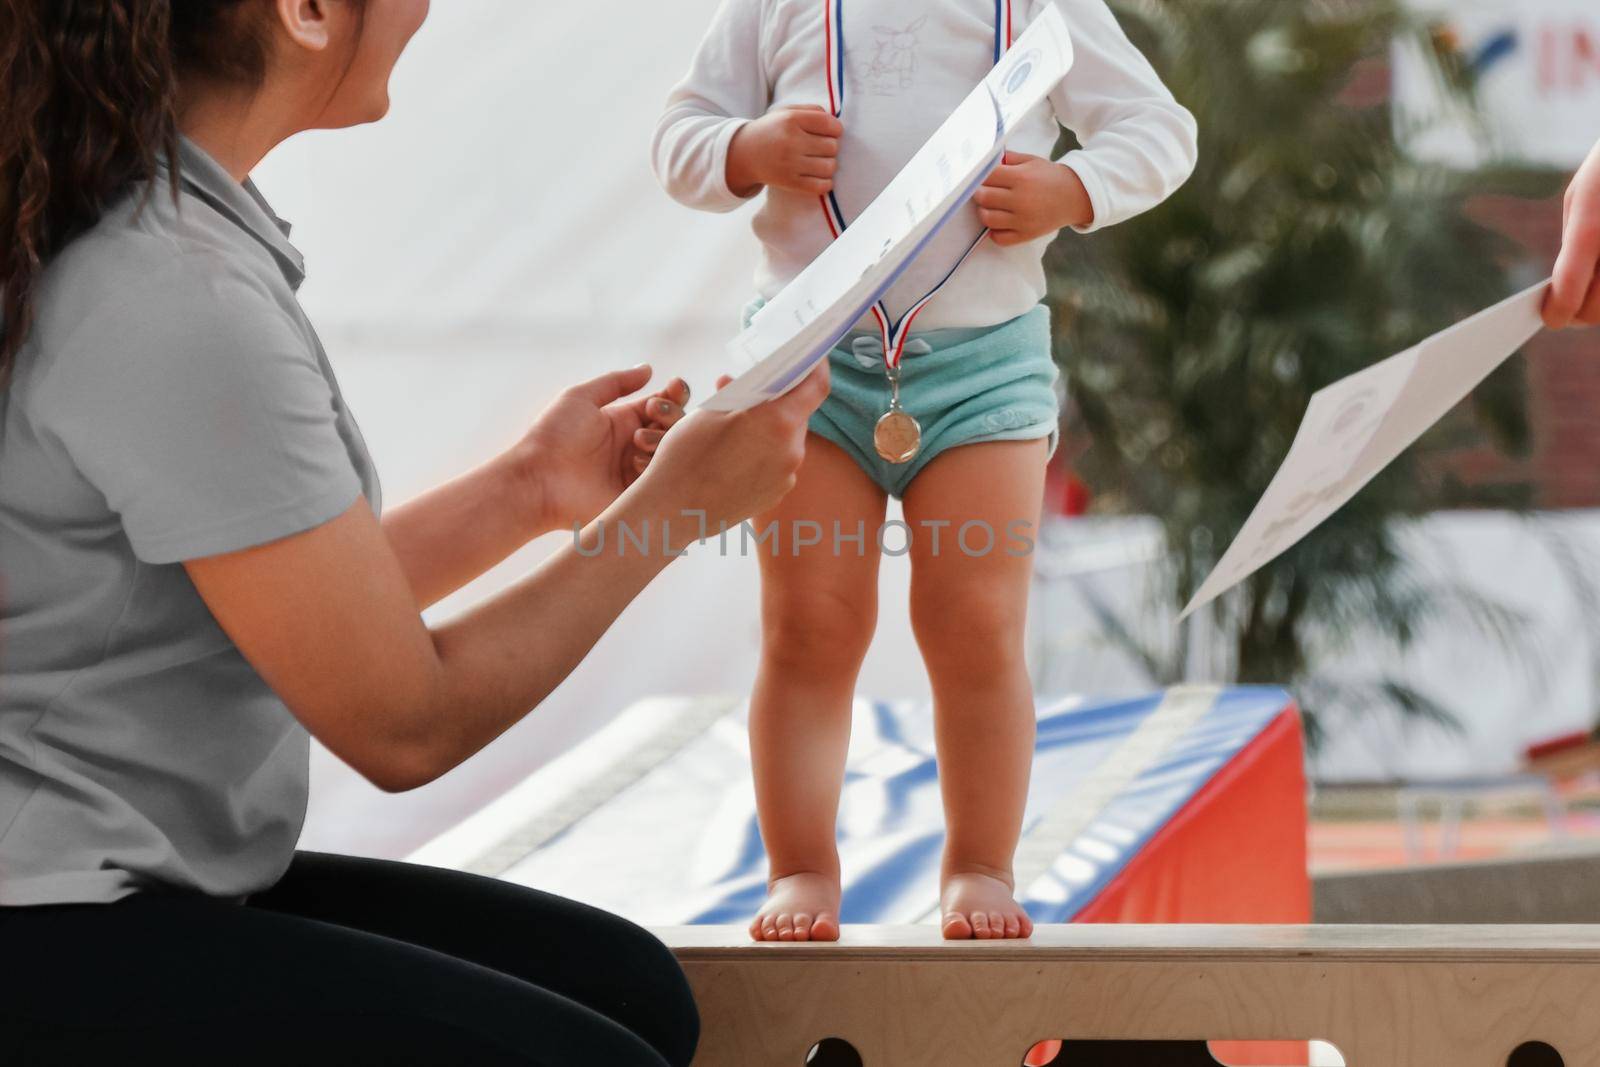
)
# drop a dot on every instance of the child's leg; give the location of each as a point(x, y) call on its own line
point(818, 609)
point(969, 609)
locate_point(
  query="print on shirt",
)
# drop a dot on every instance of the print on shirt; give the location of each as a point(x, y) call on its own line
point(893, 66)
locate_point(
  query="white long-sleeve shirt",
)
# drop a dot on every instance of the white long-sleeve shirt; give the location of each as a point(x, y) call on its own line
point(908, 64)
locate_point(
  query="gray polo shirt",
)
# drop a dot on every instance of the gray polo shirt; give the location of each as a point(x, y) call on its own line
point(172, 403)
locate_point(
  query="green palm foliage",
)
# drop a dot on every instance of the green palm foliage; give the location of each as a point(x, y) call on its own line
point(1307, 246)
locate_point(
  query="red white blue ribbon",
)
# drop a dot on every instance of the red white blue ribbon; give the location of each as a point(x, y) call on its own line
point(894, 333)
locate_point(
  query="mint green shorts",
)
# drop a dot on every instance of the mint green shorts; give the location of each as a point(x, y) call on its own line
point(962, 387)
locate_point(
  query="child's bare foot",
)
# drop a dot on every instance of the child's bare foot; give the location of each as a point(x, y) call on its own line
point(799, 907)
point(981, 906)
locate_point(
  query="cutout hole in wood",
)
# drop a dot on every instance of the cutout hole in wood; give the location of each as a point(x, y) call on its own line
point(1062, 1053)
point(833, 1052)
point(1535, 1054)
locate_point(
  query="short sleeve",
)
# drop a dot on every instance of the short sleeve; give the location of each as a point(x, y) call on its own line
point(197, 405)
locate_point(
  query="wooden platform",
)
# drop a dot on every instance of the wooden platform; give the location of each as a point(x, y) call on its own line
point(1386, 996)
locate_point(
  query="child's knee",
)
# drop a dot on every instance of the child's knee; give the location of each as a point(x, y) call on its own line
point(818, 629)
point(976, 631)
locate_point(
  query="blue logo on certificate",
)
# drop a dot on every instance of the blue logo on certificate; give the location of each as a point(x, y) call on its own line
point(1021, 72)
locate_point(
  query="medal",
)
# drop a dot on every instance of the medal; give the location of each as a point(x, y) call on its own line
point(897, 435)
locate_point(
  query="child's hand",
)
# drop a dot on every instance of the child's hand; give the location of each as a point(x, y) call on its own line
point(1027, 198)
point(794, 148)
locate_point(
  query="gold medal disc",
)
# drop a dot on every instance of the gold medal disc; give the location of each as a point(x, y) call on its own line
point(898, 437)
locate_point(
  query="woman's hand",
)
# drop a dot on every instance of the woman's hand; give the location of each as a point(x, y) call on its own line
point(1028, 197)
point(1575, 293)
point(592, 443)
point(730, 467)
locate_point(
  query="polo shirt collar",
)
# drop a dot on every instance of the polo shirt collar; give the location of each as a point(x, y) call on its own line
point(242, 204)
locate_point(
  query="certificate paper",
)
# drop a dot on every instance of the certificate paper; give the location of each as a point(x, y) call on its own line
point(794, 332)
point(1356, 427)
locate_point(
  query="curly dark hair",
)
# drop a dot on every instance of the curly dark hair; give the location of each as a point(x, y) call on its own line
point(88, 104)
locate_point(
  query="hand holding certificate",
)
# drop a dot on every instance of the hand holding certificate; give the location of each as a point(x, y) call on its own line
point(1355, 428)
point(795, 331)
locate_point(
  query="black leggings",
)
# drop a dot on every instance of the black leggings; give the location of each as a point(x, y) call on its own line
point(345, 961)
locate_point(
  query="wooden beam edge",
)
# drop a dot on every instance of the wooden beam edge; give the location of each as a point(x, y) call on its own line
point(1196, 943)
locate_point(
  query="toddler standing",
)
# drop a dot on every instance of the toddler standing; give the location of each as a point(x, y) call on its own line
point(818, 104)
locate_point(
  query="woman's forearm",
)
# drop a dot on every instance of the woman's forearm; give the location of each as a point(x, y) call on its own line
point(449, 536)
point(507, 655)
point(328, 620)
